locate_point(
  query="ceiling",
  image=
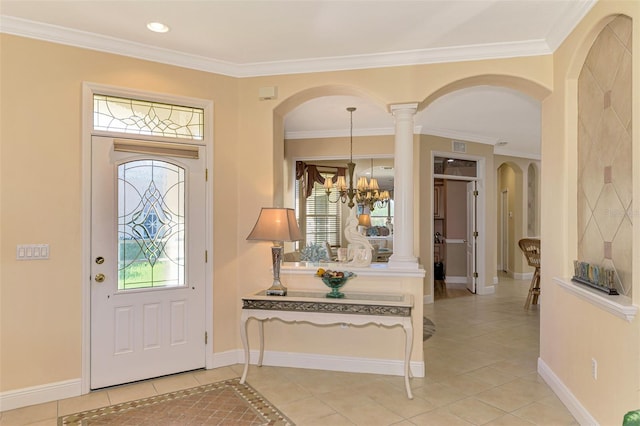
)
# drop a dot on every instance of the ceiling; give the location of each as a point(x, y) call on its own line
point(268, 37)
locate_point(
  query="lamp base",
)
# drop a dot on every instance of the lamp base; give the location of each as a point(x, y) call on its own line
point(276, 290)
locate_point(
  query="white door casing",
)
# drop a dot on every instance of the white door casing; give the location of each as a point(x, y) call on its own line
point(471, 237)
point(147, 332)
point(504, 227)
point(481, 286)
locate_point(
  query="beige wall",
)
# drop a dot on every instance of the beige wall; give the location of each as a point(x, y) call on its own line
point(41, 302)
point(573, 331)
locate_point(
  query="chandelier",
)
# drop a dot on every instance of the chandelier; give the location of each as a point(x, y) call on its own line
point(344, 192)
point(366, 192)
point(369, 193)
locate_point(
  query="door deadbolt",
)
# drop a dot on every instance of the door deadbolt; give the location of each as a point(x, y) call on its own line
point(99, 260)
point(100, 278)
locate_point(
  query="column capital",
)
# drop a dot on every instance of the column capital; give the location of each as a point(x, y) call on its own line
point(410, 107)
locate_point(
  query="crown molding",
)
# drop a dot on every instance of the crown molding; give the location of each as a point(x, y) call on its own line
point(419, 130)
point(566, 23)
point(518, 154)
point(388, 131)
point(457, 135)
point(471, 137)
point(338, 133)
point(101, 43)
point(86, 40)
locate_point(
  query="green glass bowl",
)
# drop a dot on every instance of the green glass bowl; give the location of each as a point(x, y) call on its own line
point(335, 283)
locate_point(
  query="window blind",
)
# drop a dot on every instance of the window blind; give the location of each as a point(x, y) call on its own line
point(156, 148)
point(322, 218)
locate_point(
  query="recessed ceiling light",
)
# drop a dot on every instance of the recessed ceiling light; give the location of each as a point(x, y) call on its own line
point(157, 27)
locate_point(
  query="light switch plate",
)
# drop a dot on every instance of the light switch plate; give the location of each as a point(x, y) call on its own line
point(32, 251)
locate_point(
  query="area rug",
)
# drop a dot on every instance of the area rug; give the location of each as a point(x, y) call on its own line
point(428, 328)
point(222, 403)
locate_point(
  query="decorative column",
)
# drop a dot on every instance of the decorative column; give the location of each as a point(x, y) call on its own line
point(403, 256)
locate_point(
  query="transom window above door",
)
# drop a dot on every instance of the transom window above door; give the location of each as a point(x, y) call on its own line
point(140, 117)
point(455, 167)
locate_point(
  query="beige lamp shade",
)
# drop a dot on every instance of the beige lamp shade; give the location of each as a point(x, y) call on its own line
point(276, 224)
point(364, 220)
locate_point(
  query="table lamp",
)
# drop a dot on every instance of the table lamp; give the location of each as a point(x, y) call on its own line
point(277, 225)
point(364, 220)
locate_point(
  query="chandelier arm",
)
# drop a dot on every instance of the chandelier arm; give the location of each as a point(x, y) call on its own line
point(329, 197)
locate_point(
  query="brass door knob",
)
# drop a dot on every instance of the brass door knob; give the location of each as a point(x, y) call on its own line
point(100, 278)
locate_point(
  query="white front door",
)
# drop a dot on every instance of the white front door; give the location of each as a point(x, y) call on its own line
point(471, 237)
point(147, 260)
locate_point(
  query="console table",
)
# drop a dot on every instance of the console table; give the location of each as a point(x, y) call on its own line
point(389, 310)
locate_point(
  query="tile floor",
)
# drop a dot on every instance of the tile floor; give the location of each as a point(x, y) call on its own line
point(480, 370)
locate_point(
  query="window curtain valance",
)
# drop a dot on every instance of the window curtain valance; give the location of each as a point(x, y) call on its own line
point(308, 174)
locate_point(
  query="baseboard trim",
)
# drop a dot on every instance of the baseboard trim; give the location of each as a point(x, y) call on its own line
point(19, 398)
point(389, 367)
point(427, 299)
point(227, 358)
point(522, 276)
point(564, 394)
point(70, 388)
point(488, 289)
point(455, 280)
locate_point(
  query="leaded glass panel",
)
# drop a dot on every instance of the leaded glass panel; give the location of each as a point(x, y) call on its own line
point(151, 225)
point(455, 167)
point(140, 117)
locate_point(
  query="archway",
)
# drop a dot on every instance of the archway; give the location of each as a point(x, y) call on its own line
point(282, 171)
point(322, 144)
point(511, 217)
point(488, 228)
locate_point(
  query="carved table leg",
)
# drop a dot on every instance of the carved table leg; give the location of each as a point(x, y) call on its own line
point(245, 345)
point(261, 333)
point(408, 346)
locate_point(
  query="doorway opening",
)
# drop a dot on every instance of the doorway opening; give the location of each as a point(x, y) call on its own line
point(504, 230)
point(458, 211)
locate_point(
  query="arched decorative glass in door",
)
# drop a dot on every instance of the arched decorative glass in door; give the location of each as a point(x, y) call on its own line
point(151, 224)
